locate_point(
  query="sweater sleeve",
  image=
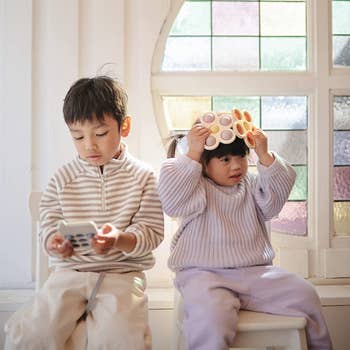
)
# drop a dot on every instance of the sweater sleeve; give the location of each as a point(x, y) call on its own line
point(148, 222)
point(50, 213)
point(180, 187)
point(273, 185)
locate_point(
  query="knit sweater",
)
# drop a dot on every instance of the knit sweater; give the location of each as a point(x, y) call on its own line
point(222, 226)
point(124, 194)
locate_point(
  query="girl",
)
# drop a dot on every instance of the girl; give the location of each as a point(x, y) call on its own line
point(221, 253)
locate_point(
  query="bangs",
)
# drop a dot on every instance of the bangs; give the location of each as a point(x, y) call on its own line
point(236, 148)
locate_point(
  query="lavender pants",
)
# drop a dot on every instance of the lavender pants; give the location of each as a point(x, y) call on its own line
point(213, 297)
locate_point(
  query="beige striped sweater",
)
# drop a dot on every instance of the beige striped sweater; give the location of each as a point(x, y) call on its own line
point(124, 194)
point(222, 226)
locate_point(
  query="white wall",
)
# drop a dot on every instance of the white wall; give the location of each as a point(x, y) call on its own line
point(45, 46)
point(15, 140)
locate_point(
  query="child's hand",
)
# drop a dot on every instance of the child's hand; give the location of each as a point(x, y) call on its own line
point(261, 147)
point(196, 140)
point(105, 240)
point(60, 246)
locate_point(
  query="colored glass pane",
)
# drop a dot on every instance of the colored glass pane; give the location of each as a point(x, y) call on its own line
point(239, 53)
point(187, 54)
point(342, 218)
point(250, 104)
point(236, 18)
point(341, 50)
point(292, 219)
point(282, 19)
point(299, 191)
point(284, 112)
point(182, 111)
point(341, 183)
point(341, 16)
point(341, 108)
point(283, 54)
point(291, 145)
point(341, 148)
point(194, 18)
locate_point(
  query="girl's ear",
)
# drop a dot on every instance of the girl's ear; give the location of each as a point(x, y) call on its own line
point(126, 126)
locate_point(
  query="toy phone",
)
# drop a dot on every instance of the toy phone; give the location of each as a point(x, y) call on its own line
point(79, 233)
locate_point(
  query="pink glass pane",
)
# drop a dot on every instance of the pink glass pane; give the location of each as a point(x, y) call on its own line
point(341, 184)
point(291, 220)
point(236, 18)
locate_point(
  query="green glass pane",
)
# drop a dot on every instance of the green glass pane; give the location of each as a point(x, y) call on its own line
point(341, 109)
point(341, 50)
point(236, 54)
point(284, 112)
point(292, 219)
point(299, 191)
point(341, 17)
point(291, 145)
point(282, 19)
point(193, 19)
point(283, 54)
point(182, 111)
point(187, 54)
point(250, 104)
point(342, 218)
point(236, 18)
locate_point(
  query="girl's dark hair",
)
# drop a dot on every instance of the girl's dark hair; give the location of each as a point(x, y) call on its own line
point(236, 148)
point(94, 97)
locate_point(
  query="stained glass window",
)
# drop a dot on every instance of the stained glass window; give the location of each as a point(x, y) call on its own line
point(341, 162)
point(238, 35)
point(283, 118)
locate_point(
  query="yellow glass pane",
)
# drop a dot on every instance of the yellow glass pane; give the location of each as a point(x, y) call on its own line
point(342, 218)
point(182, 111)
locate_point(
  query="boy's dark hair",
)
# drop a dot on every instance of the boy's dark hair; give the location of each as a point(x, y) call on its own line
point(94, 97)
point(236, 148)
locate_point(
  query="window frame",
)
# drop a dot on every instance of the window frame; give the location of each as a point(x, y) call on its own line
point(319, 255)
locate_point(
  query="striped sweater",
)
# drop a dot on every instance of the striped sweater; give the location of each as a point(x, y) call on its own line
point(222, 226)
point(124, 194)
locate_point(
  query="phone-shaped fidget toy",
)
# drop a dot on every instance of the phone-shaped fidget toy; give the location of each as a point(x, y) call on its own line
point(79, 233)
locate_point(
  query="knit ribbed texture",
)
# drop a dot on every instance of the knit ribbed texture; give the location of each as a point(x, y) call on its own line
point(222, 226)
point(125, 195)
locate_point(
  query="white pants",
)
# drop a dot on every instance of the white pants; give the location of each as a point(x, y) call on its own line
point(117, 321)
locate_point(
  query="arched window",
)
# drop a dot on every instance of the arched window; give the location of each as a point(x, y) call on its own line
point(272, 58)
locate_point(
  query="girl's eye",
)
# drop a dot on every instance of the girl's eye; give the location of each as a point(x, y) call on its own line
point(103, 134)
point(224, 159)
point(78, 138)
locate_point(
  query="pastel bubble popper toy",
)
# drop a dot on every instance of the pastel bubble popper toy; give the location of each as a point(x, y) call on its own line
point(225, 127)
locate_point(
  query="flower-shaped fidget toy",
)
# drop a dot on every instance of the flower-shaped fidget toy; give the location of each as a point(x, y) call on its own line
point(220, 126)
point(225, 127)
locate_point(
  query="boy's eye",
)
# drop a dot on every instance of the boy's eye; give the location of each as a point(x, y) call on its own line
point(78, 138)
point(102, 134)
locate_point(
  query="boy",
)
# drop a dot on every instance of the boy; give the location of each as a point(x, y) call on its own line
point(94, 298)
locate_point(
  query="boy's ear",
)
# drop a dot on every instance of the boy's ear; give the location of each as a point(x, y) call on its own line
point(126, 126)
